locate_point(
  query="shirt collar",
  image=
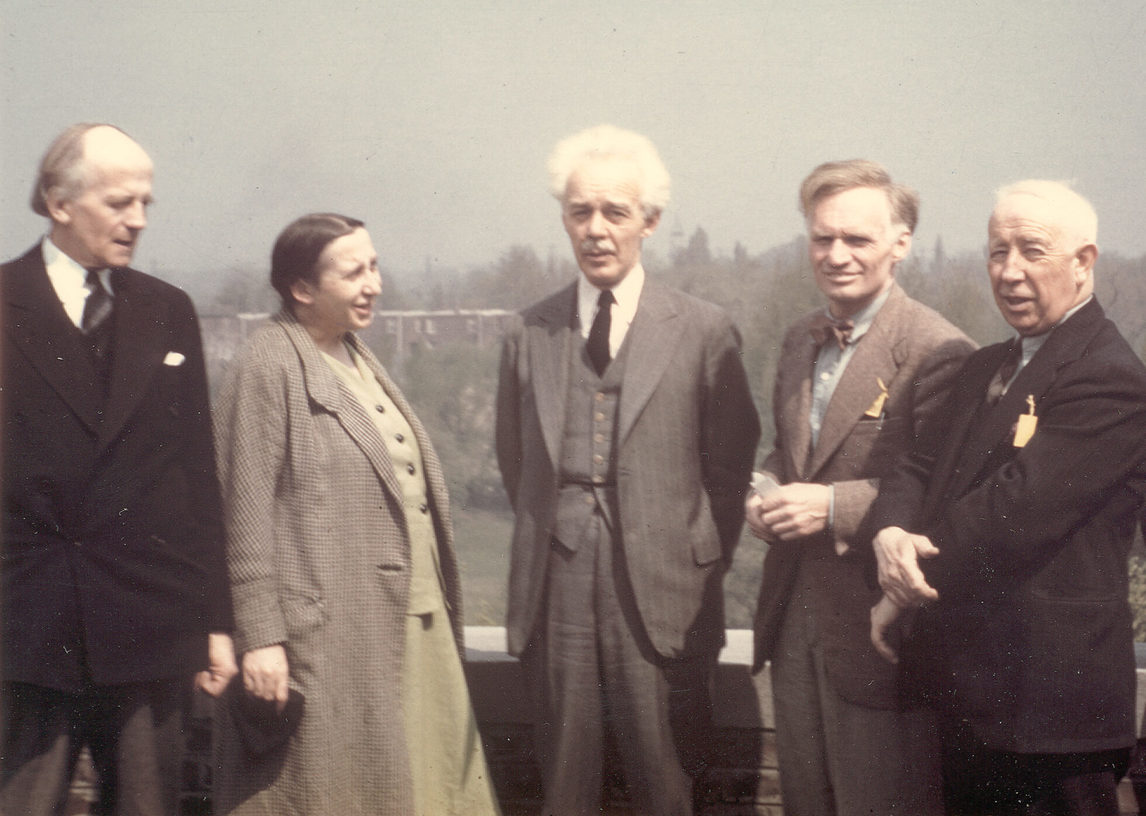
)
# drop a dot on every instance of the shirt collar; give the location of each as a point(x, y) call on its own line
point(862, 320)
point(65, 272)
point(627, 294)
point(1033, 344)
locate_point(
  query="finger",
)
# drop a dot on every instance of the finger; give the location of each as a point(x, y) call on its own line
point(879, 641)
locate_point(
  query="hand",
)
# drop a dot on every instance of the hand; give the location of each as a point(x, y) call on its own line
point(897, 552)
point(220, 664)
point(265, 674)
point(796, 510)
point(883, 630)
point(754, 516)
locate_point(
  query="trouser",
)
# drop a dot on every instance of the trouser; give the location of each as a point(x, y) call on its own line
point(134, 732)
point(981, 781)
point(593, 671)
point(838, 758)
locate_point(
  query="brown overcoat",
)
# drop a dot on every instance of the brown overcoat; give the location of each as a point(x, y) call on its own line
point(319, 558)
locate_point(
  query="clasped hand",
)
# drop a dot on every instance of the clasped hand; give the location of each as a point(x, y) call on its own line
point(790, 512)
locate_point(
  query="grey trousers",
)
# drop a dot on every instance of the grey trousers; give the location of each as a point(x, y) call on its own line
point(841, 759)
point(592, 671)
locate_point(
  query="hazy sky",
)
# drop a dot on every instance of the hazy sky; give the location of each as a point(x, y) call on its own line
point(432, 120)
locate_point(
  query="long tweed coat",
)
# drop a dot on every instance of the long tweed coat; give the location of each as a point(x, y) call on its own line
point(319, 559)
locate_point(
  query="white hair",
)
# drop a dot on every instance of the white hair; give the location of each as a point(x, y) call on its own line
point(607, 141)
point(1076, 213)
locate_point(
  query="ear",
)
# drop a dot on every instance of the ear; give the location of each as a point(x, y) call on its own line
point(302, 291)
point(58, 207)
point(1084, 260)
point(651, 223)
point(902, 246)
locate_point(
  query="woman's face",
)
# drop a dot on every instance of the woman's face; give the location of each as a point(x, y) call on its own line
point(346, 285)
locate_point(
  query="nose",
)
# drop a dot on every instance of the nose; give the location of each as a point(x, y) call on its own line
point(595, 227)
point(1011, 268)
point(137, 216)
point(838, 254)
point(374, 283)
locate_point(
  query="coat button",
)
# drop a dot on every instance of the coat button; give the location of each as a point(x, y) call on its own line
point(399, 437)
point(410, 468)
point(380, 409)
point(425, 508)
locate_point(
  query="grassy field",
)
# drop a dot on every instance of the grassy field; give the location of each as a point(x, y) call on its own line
point(482, 539)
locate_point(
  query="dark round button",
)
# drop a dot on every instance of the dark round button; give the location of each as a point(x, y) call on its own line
point(399, 437)
point(410, 469)
point(425, 508)
point(380, 409)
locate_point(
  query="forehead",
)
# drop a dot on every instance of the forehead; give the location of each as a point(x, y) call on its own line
point(110, 157)
point(604, 179)
point(1026, 217)
point(860, 208)
point(348, 250)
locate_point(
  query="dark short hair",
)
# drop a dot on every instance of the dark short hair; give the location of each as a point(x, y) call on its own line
point(298, 247)
point(837, 176)
point(62, 167)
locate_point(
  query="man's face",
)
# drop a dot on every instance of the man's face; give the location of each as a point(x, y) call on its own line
point(100, 225)
point(854, 247)
point(602, 214)
point(1037, 272)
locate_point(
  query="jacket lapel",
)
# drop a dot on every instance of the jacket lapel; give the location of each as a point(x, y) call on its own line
point(40, 329)
point(141, 331)
point(875, 358)
point(550, 339)
point(796, 393)
point(324, 387)
point(994, 427)
point(652, 340)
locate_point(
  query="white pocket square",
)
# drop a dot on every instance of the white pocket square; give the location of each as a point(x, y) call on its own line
point(173, 358)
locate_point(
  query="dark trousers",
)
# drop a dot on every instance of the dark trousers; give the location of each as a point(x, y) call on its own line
point(134, 733)
point(594, 675)
point(981, 781)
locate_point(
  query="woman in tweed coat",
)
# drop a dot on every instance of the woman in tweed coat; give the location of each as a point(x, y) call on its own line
point(340, 550)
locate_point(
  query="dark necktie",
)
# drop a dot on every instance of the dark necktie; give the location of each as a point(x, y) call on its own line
point(598, 342)
point(824, 326)
point(97, 307)
point(1006, 371)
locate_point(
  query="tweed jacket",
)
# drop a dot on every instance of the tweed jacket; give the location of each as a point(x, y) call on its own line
point(1030, 640)
point(915, 353)
point(686, 437)
point(320, 561)
point(113, 558)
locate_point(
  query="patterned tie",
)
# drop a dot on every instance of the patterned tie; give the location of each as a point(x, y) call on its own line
point(98, 305)
point(1006, 371)
point(824, 326)
point(598, 342)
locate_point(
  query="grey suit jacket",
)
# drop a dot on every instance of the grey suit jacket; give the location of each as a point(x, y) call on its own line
point(687, 434)
point(915, 352)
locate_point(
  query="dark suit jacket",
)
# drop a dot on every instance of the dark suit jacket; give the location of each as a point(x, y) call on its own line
point(113, 547)
point(916, 353)
point(687, 434)
point(1031, 637)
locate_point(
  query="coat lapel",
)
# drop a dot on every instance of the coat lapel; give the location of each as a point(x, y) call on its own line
point(40, 329)
point(550, 338)
point(324, 387)
point(796, 393)
point(652, 340)
point(141, 331)
point(875, 358)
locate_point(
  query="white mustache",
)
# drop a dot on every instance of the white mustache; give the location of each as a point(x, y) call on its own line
point(589, 245)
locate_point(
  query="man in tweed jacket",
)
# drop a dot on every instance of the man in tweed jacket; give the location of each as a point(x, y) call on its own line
point(846, 405)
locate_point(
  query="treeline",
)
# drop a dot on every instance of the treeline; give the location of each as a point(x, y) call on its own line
point(453, 387)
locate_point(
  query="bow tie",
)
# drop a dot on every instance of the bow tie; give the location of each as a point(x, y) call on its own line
point(823, 326)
